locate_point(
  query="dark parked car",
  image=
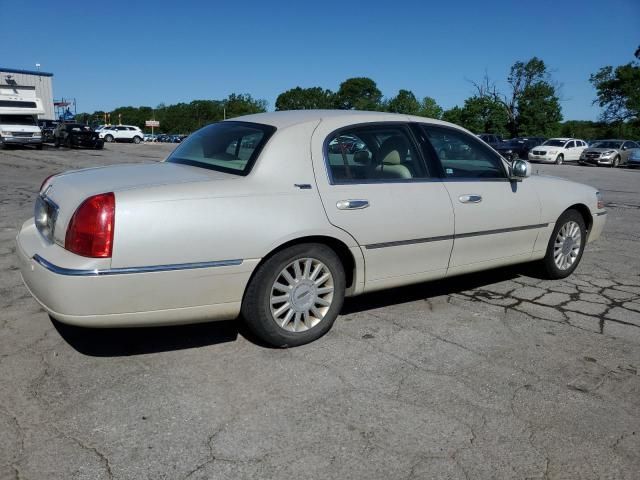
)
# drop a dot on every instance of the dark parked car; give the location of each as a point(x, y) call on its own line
point(491, 139)
point(518, 147)
point(48, 127)
point(76, 135)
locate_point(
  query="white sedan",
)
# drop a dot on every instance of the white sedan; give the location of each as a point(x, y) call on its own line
point(279, 216)
point(558, 150)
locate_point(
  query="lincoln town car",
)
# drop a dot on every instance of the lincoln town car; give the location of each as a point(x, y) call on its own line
point(276, 217)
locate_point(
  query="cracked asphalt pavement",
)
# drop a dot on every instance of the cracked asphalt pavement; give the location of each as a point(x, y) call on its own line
point(493, 375)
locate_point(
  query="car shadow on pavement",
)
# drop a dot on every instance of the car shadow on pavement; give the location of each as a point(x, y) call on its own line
point(118, 342)
point(121, 342)
point(436, 288)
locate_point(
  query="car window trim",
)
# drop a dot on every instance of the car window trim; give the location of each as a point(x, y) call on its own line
point(412, 138)
point(479, 141)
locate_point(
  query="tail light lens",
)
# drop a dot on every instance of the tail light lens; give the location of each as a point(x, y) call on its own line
point(600, 201)
point(90, 231)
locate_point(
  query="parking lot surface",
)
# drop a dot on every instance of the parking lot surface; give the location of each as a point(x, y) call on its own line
point(493, 375)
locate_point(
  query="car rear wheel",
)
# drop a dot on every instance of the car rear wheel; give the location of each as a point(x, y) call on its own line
point(137, 140)
point(559, 159)
point(108, 138)
point(566, 245)
point(295, 296)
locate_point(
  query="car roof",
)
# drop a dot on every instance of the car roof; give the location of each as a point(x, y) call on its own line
point(289, 118)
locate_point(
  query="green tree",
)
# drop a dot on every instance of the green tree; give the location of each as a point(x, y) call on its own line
point(404, 102)
point(453, 115)
point(618, 92)
point(483, 115)
point(243, 104)
point(539, 112)
point(305, 99)
point(359, 93)
point(430, 108)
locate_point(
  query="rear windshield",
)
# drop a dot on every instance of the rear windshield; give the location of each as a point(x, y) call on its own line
point(230, 147)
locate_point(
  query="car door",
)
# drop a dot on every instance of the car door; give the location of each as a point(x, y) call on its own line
point(375, 185)
point(627, 147)
point(570, 151)
point(497, 221)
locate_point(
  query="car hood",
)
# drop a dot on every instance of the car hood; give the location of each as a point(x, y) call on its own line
point(68, 190)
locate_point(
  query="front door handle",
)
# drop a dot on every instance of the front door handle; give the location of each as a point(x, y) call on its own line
point(470, 198)
point(352, 204)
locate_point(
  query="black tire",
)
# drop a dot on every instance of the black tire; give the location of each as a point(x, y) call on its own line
point(3, 146)
point(108, 138)
point(39, 147)
point(256, 306)
point(67, 142)
point(616, 162)
point(137, 140)
point(549, 267)
point(559, 159)
point(99, 146)
point(56, 142)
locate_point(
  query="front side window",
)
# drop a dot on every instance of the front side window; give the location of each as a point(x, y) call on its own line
point(570, 144)
point(462, 155)
point(230, 147)
point(373, 153)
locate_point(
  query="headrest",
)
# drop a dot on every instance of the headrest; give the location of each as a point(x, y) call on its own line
point(361, 157)
point(392, 151)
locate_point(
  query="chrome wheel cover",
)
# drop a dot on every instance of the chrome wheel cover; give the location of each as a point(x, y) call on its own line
point(301, 295)
point(567, 245)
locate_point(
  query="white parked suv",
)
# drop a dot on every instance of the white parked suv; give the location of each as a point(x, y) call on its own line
point(121, 133)
point(558, 150)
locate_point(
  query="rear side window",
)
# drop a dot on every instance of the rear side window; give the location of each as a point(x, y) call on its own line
point(462, 155)
point(230, 147)
point(373, 153)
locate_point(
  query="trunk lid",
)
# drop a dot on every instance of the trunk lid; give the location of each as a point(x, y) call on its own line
point(68, 190)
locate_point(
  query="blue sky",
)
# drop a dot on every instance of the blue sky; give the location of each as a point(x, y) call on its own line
point(109, 54)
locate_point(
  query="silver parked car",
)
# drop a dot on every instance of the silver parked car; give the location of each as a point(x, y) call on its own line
point(279, 216)
point(612, 153)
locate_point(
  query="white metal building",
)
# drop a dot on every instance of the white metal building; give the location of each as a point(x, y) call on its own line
point(41, 81)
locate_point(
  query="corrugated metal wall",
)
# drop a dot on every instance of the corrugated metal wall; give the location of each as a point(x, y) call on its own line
point(44, 89)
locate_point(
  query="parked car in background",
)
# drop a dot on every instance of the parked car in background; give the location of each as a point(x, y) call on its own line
point(48, 127)
point(611, 153)
point(284, 229)
point(121, 133)
point(76, 135)
point(518, 147)
point(633, 160)
point(558, 150)
point(150, 138)
point(491, 139)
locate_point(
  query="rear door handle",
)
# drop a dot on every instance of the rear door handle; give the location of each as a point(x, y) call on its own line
point(352, 204)
point(470, 198)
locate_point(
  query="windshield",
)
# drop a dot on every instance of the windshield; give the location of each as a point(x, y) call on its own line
point(555, 143)
point(606, 144)
point(17, 120)
point(230, 147)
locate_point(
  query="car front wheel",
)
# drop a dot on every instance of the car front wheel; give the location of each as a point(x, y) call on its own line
point(137, 140)
point(560, 159)
point(108, 138)
point(565, 246)
point(616, 162)
point(295, 296)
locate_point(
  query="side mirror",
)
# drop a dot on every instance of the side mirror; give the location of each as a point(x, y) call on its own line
point(520, 169)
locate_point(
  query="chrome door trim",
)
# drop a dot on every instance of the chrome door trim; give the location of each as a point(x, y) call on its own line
point(126, 270)
point(454, 237)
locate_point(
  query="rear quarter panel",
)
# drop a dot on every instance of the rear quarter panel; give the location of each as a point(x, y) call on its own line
point(243, 218)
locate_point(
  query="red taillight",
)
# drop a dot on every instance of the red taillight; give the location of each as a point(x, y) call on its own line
point(45, 182)
point(90, 231)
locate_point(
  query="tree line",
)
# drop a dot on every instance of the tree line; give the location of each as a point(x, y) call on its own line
point(528, 106)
